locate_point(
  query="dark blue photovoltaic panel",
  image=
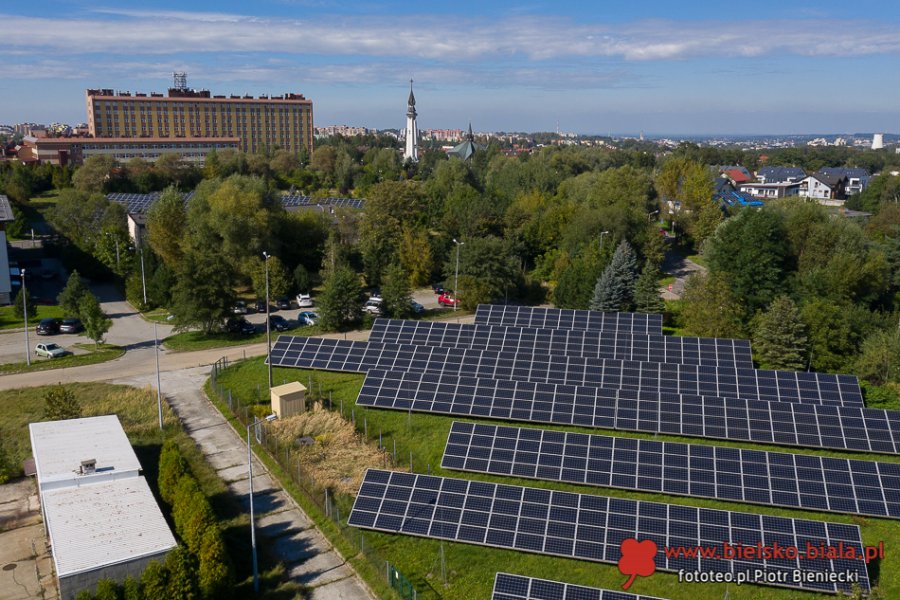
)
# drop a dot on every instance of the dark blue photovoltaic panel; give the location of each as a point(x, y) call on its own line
point(610, 343)
point(519, 587)
point(780, 423)
point(592, 528)
point(565, 318)
point(299, 200)
point(722, 381)
point(732, 474)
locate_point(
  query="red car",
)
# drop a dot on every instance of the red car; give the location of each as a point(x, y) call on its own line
point(446, 299)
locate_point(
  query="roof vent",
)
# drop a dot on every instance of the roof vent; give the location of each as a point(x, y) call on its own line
point(88, 467)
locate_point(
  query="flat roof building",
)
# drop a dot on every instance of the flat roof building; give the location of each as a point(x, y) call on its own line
point(261, 123)
point(99, 512)
point(75, 150)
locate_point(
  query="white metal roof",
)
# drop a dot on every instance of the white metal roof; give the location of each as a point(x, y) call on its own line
point(60, 446)
point(104, 523)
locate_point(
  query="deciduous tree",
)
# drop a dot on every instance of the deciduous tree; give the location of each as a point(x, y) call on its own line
point(710, 307)
point(396, 293)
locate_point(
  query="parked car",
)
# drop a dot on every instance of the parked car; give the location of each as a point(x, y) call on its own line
point(373, 306)
point(260, 306)
point(48, 326)
point(308, 318)
point(50, 350)
point(375, 293)
point(416, 307)
point(239, 308)
point(304, 301)
point(447, 299)
point(438, 288)
point(70, 326)
point(279, 323)
point(240, 325)
point(283, 302)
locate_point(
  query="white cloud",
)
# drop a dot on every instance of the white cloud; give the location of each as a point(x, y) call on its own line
point(446, 39)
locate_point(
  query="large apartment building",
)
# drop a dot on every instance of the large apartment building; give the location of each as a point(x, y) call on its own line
point(284, 122)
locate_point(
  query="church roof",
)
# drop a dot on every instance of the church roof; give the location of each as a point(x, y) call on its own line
point(465, 150)
point(412, 98)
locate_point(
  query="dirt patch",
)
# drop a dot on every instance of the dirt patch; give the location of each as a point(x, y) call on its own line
point(26, 569)
point(329, 448)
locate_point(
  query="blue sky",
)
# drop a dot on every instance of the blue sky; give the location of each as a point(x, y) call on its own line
point(593, 67)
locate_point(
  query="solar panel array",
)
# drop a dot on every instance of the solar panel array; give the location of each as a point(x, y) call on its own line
point(722, 381)
point(611, 343)
point(299, 200)
point(734, 474)
point(564, 318)
point(518, 587)
point(780, 423)
point(135, 203)
point(589, 527)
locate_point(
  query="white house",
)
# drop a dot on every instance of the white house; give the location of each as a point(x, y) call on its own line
point(826, 189)
point(6, 216)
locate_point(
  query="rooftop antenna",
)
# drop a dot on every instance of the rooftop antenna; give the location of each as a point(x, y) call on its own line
point(179, 81)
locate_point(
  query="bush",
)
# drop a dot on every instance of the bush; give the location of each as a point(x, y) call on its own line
point(131, 589)
point(23, 298)
point(172, 467)
point(107, 589)
point(182, 583)
point(155, 580)
point(192, 513)
point(215, 577)
point(60, 404)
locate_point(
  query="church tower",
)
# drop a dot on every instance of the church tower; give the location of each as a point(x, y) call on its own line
point(412, 132)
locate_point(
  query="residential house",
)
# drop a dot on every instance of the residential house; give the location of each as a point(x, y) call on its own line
point(857, 177)
point(728, 196)
point(769, 191)
point(825, 189)
point(780, 174)
point(6, 216)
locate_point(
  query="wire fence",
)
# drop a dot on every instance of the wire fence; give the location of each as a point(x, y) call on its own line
point(335, 506)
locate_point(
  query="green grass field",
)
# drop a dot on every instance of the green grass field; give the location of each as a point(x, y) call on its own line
point(471, 568)
point(189, 341)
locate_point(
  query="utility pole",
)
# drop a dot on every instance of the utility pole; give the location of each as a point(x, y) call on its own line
point(268, 324)
point(456, 278)
point(25, 307)
point(143, 281)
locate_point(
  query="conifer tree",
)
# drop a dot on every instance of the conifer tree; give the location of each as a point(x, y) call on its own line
point(646, 291)
point(615, 286)
point(779, 337)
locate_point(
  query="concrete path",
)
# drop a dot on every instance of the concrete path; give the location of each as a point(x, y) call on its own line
point(26, 569)
point(681, 267)
point(309, 558)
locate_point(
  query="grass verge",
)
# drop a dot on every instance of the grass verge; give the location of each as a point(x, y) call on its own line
point(9, 320)
point(189, 341)
point(104, 353)
point(471, 568)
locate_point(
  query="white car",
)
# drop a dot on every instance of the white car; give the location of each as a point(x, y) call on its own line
point(304, 301)
point(373, 306)
point(50, 350)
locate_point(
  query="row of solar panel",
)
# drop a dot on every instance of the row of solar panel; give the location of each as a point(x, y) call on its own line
point(613, 344)
point(779, 423)
point(562, 318)
point(771, 478)
point(359, 357)
point(588, 527)
point(140, 203)
point(518, 587)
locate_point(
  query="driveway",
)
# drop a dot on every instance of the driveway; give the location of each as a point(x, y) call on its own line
point(678, 264)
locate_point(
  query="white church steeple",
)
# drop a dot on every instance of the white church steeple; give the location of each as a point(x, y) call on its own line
point(412, 132)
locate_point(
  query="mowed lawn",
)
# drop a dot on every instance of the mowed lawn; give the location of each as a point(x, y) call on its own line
point(471, 568)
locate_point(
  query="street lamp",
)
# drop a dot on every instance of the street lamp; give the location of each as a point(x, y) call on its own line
point(456, 277)
point(269, 419)
point(650, 215)
point(602, 233)
point(268, 324)
point(25, 308)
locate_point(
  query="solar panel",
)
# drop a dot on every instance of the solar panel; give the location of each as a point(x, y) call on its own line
point(519, 587)
point(299, 200)
point(779, 423)
point(565, 318)
point(733, 474)
point(588, 527)
point(140, 203)
point(609, 343)
point(722, 381)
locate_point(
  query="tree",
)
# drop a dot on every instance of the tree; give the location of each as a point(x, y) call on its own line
point(155, 580)
point(172, 467)
point(60, 403)
point(166, 223)
point(710, 308)
point(577, 277)
point(182, 580)
point(488, 261)
point(279, 278)
point(95, 321)
point(23, 299)
point(107, 589)
point(396, 293)
point(202, 295)
point(302, 280)
point(879, 358)
point(215, 576)
point(779, 337)
point(131, 589)
point(340, 302)
point(750, 251)
point(615, 286)
point(94, 173)
point(70, 297)
point(415, 255)
point(647, 298)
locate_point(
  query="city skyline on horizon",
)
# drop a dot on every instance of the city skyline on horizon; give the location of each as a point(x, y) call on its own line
point(668, 71)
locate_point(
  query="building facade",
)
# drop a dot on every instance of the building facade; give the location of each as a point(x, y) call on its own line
point(75, 150)
point(6, 216)
point(261, 123)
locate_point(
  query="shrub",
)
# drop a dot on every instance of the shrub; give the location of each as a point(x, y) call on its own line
point(60, 403)
point(172, 467)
